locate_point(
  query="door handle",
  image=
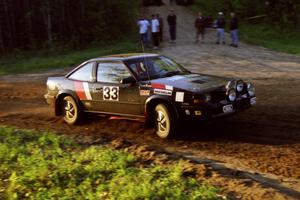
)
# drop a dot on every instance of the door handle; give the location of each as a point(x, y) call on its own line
point(98, 89)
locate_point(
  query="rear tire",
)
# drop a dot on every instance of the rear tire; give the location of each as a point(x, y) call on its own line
point(164, 122)
point(70, 110)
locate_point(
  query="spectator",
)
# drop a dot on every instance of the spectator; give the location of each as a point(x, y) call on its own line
point(220, 25)
point(161, 27)
point(172, 25)
point(155, 31)
point(143, 25)
point(200, 24)
point(234, 30)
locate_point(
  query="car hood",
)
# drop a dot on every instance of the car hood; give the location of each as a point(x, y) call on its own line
point(197, 83)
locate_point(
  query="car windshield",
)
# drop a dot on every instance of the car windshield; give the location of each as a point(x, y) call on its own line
point(154, 67)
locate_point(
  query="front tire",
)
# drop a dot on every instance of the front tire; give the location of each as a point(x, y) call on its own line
point(164, 122)
point(71, 111)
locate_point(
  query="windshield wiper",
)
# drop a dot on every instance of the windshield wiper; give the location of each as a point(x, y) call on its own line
point(172, 73)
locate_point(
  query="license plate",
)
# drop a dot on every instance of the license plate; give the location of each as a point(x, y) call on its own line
point(227, 108)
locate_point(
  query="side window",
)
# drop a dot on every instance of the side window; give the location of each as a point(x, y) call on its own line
point(112, 72)
point(84, 73)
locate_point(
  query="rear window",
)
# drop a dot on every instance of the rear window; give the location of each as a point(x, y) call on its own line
point(84, 73)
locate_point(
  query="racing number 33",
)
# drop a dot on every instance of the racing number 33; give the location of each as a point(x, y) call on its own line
point(111, 93)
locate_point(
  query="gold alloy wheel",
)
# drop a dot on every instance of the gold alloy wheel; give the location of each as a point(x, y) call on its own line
point(70, 110)
point(163, 121)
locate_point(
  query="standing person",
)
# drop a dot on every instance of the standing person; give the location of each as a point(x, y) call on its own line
point(155, 31)
point(200, 24)
point(161, 27)
point(143, 25)
point(172, 18)
point(234, 23)
point(220, 25)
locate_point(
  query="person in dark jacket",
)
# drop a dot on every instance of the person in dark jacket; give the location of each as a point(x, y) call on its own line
point(234, 23)
point(220, 25)
point(161, 27)
point(172, 21)
point(200, 24)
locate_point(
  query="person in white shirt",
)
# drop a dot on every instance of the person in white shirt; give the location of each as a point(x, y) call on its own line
point(143, 25)
point(155, 31)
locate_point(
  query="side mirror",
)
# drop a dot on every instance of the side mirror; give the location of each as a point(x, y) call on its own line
point(128, 80)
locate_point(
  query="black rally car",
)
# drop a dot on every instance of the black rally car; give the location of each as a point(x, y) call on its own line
point(149, 86)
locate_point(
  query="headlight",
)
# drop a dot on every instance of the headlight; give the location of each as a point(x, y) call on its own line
point(231, 85)
point(51, 85)
point(240, 86)
point(251, 89)
point(232, 95)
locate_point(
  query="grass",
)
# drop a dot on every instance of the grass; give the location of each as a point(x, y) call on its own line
point(208, 8)
point(270, 37)
point(34, 62)
point(47, 166)
point(261, 34)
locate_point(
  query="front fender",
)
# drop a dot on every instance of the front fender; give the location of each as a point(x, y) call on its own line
point(152, 101)
point(60, 97)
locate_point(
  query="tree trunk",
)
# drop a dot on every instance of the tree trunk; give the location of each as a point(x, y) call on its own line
point(29, 27)
point(6, 22)
point(46, 11)
point(13, 24)
point(2, 49)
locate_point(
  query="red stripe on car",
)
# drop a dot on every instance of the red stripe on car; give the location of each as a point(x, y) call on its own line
point(158, 86)
point(80, 90)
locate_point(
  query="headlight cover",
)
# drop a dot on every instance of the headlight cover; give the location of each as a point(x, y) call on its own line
point(251, 89)
point(240, 86)
point(232, 95)
point(231, 85)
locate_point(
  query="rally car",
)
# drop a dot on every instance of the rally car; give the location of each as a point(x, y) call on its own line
point(148, 86)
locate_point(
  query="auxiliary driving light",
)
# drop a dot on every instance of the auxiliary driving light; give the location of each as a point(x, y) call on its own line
point(240, 86)
point(251, 89)
point(232, 95)
point(231, 84)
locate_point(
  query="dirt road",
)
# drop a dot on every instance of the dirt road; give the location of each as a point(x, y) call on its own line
point(254, 154)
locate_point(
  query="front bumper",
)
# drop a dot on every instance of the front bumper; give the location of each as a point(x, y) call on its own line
point(50, 99)
point(212, 110)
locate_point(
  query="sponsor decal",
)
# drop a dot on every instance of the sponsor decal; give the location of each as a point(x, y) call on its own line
point(82, 90)
point(161, 86)
point(158, 85)
point(163, 92)
point(169, 87)
point(179, 97)
point(144, 92)
point(111, 93)
point(87, 91)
